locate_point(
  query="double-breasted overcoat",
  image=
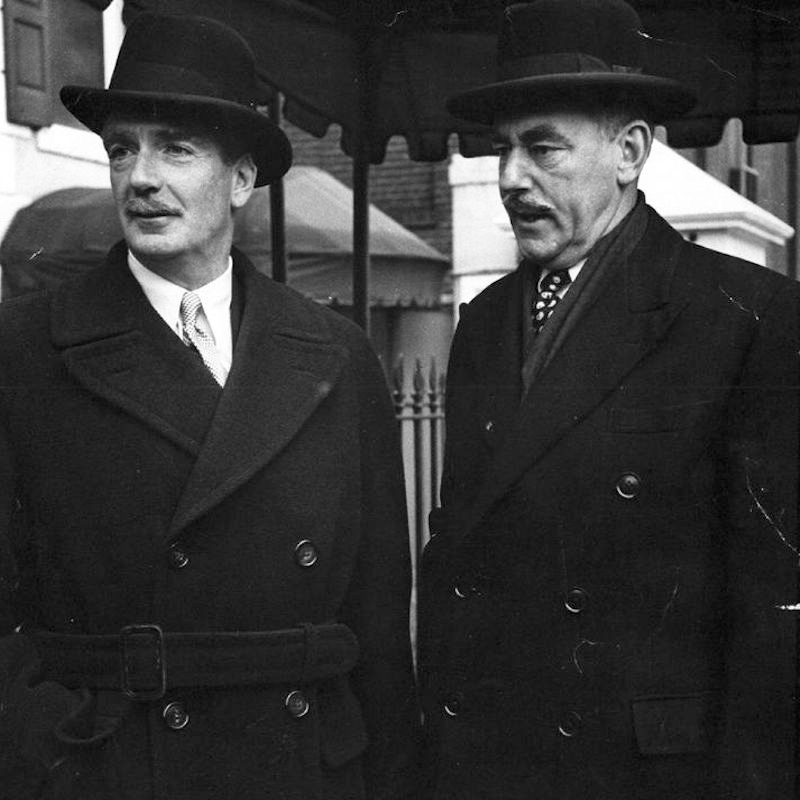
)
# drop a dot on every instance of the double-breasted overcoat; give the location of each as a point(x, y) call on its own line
point(606, 595)
point(256, 536)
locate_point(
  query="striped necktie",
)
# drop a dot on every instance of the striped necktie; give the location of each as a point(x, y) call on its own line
point(197, 337)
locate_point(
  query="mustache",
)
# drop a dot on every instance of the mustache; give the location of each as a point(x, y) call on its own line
point(514, 204)
point(148, 208)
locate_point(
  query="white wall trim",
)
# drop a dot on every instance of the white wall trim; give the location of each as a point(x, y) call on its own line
point(63, 140)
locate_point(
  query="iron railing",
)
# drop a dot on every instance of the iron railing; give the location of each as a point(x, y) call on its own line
point(419, 409)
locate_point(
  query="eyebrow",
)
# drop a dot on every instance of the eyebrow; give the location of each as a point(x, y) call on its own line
point(168, 133)
point(544, 132)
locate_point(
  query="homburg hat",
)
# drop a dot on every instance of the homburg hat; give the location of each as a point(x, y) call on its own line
point(187, 68)
point(552, 51)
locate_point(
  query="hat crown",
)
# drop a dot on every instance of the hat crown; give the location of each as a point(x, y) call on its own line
point(608, 32)
point(184, 67)
point(580, 51)
point(186, 55)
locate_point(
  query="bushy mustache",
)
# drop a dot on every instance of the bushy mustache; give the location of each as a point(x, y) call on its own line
point(148, 208)
point(514, 204)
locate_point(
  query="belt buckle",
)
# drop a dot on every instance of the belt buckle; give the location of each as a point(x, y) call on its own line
point(156, 681)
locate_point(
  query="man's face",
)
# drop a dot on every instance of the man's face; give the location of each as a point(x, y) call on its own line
point(173, 190)
point(558, 183)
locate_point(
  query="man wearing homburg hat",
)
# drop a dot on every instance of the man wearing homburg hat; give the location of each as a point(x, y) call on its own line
point(607, 594)
point(204, 567)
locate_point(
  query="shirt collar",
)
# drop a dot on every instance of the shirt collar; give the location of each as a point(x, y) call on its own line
point(165, 296)
point(573, 271)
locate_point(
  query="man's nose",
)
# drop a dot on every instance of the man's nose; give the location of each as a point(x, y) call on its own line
point(514, 173)
point(145, 173)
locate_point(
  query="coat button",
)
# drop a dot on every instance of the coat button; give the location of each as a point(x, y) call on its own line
point(453, 704)
point(576, 600)
point(305, 553)
point(571, 725)
point(464, 589)
point(296, 704)
point(175, 715)
point(488, 426)
point(629, 484)
point(177, 556)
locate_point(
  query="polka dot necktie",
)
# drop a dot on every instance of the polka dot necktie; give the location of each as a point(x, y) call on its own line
point(197, 337)
point(547, 298)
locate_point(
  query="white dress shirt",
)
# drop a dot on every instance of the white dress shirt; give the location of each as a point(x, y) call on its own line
point(215, 316)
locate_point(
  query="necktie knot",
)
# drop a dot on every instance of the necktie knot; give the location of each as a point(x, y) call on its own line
point(197, 337)
point(547, 297)
point(190, 307)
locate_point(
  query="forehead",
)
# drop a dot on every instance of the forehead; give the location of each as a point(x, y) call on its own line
point(567, 125)
point(133, 126)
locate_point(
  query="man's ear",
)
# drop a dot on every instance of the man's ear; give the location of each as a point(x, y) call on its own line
point(244, 180)
point(635, 141)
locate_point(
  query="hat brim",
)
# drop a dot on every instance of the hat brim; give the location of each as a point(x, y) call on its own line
point(270, 147)
point(666, 99)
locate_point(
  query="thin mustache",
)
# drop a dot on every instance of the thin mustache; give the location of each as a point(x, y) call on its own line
point(140, 208)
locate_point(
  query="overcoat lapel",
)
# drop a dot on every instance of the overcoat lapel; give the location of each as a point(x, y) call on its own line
point(497, 354)
point(284, 365)
point(629, 318)
point(118, 348)
point(114, 343)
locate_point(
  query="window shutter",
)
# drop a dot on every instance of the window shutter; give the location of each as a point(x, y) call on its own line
point(28, 77)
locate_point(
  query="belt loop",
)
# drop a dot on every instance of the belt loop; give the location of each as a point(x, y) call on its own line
point(310, 650)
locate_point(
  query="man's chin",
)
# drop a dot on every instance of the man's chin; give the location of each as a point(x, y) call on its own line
point(538, 252)
point(150, 245)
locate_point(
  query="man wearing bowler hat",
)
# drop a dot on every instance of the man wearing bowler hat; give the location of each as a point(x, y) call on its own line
point(204, 570)
point(610, 592)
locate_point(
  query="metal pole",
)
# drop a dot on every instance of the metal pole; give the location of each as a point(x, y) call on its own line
point(277, 209)
point(793, 191)
point(361, 258)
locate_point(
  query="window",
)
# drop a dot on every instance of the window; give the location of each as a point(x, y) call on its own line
point(49, 43)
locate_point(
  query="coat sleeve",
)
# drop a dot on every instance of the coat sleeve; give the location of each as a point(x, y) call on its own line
point(377, 605)
point(758, 755)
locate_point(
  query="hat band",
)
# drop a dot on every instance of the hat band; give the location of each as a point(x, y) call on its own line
point(162, 79)
point(558, 64)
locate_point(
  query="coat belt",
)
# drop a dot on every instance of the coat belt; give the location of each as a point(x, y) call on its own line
point(143, 662)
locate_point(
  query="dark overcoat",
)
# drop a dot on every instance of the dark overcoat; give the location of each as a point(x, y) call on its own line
point(261, 527)
point(605, 596)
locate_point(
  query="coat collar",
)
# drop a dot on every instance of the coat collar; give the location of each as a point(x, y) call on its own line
point(631, 315)
point(284, 363)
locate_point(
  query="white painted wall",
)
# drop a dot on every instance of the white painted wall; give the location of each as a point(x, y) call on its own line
point(33, 163)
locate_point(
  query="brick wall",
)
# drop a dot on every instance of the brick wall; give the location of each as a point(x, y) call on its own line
point(415, 194)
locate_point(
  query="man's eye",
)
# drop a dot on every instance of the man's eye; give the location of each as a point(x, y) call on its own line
point(500, 149)
point(117, 152)
point(175, 149)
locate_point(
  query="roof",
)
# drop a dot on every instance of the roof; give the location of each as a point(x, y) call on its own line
point(691, 198)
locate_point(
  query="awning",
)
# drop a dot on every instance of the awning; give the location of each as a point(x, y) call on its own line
point(69, 231)
point(385, 67)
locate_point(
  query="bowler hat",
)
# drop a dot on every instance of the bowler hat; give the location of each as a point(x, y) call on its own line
point(181, 66)
point(561, 50)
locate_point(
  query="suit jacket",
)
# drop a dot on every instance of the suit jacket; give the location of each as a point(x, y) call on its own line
point(605, 594)
point(134, 490)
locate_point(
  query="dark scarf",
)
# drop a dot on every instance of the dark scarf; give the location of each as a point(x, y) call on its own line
point(602, 265)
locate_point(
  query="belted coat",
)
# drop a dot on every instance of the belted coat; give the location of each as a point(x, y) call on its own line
point(608, 593)
point(261, 528)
